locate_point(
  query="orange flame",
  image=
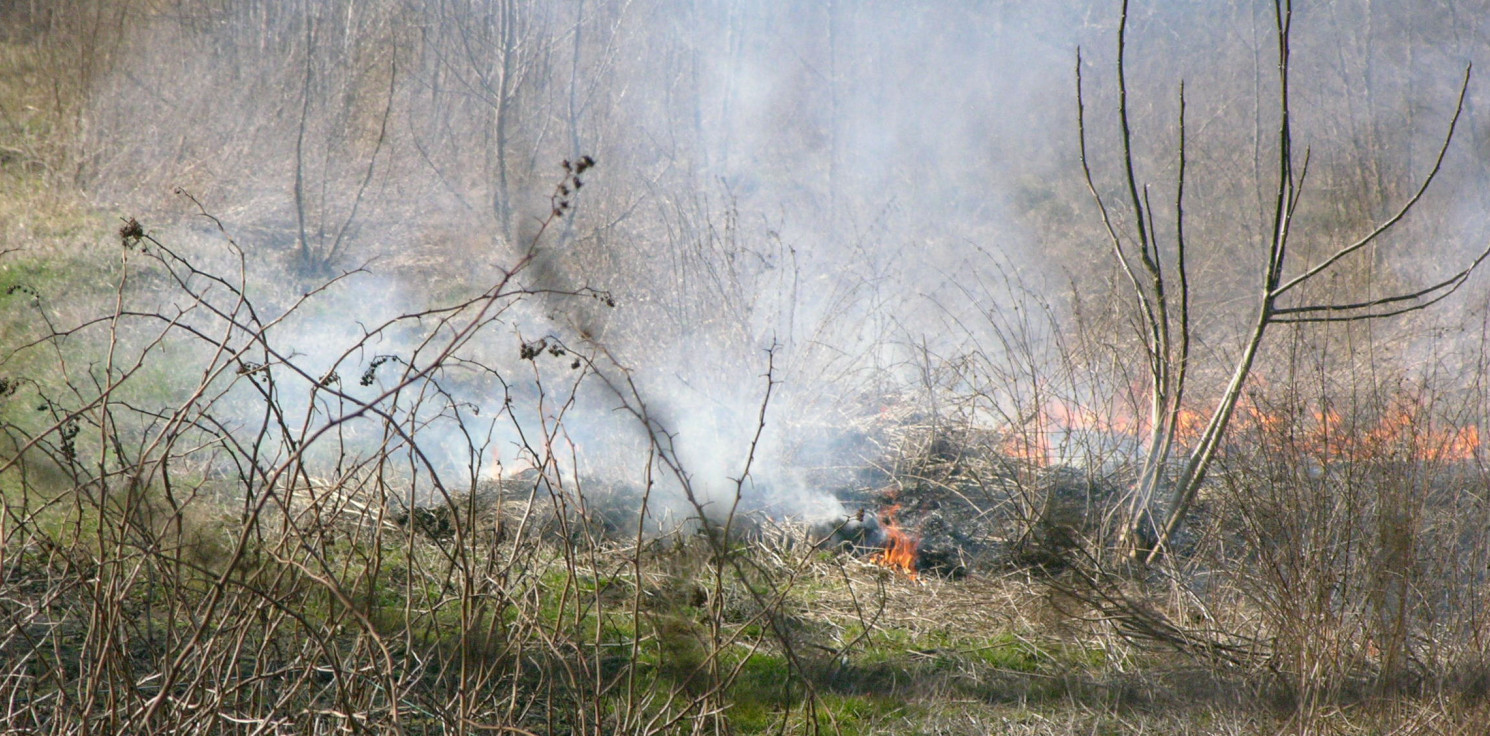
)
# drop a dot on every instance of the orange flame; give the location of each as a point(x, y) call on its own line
point(900, 548)
point(1406, 428)
point(1033, 448)
point(1463, 444)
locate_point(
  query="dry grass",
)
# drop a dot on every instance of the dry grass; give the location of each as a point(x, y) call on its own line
point(504, 610)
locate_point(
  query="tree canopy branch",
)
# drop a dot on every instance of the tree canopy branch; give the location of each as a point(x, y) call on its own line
point(1402, 212)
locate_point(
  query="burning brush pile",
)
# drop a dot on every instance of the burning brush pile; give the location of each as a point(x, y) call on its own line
point(952, 498)
point(950, 501)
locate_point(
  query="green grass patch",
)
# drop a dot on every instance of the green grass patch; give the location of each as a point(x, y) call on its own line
point(763, 690)
point(1009, 652)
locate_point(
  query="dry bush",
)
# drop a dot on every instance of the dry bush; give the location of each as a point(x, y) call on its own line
point(210, 524)
point(1339, 550)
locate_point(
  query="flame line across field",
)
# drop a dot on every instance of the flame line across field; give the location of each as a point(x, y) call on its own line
point(1060, 429)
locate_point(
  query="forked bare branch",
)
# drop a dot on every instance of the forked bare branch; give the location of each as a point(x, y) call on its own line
point(1166, 317)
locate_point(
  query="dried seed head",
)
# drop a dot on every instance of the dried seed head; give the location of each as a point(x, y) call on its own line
point(131, 233)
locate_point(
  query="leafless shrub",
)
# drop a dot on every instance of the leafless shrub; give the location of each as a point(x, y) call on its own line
point(1348, 527)
point(272, 539)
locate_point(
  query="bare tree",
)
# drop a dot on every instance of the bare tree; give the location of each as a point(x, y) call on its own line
point(327, 166)
point(1161, 292)
point(482, 63)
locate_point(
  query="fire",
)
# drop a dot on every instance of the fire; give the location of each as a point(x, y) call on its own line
point(899, 552)
point(1404, 428)
point(1055, 430)
point(1033, 450)
point(1463, 444)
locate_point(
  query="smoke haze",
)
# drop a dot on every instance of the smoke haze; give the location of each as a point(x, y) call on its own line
point(858, 194)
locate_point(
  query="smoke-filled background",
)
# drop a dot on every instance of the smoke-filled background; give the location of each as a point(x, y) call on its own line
point(881, 203)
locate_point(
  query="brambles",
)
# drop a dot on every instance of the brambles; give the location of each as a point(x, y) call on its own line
point(67, 439)
point(251, 478)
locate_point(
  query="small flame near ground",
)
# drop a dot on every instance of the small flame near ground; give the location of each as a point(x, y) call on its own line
point(899, 552)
